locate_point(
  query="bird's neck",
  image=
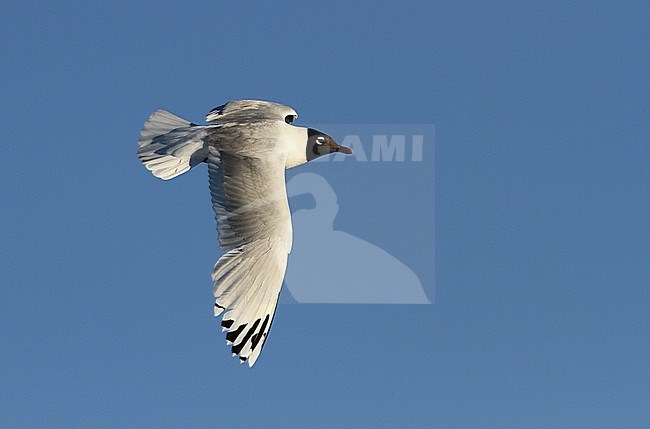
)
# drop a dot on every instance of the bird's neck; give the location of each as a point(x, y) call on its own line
point(295, 139)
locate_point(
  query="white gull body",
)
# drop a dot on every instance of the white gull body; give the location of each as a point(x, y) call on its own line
point(247, 145)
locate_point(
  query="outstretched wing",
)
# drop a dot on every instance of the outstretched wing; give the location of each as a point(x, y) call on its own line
point(254, 224)
point(242, 112)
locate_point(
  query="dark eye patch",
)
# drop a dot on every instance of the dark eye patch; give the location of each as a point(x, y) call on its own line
point(289, 118)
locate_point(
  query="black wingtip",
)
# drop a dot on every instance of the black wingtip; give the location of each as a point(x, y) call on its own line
point(232, 335)
point(236, 349)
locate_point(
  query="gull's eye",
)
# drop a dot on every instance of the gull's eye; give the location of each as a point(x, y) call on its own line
point(289, 118)
point(320, 140)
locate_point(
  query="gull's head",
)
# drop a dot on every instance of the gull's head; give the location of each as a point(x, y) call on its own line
point(319, 144)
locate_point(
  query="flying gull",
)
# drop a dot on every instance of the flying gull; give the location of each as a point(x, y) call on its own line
point(247, 145)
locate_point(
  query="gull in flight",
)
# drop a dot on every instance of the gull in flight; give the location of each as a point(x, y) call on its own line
point(248, 145)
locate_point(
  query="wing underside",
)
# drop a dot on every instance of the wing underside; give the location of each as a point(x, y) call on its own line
point(254, 226)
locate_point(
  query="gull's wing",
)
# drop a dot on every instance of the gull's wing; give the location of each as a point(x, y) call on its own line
point(249, 111)
point(254, 224)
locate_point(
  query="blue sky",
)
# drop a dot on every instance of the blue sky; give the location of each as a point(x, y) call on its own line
point(541, 215)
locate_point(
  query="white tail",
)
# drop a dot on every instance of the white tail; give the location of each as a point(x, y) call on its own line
point(169, 145)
